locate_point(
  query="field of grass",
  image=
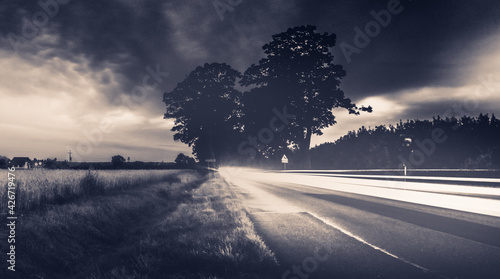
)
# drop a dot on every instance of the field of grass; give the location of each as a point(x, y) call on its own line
point(185, 227)
point(38, 187)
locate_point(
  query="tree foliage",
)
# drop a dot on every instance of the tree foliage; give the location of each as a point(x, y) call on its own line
point(206, 107)
point(184, 161)
point(297, 75)
point(470, 143)
point(118, 160)
point(3, 162)
point(300, 71)
point(259, 110)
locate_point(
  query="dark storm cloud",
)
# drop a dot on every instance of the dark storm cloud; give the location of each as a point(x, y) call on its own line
point(108, 34)
point(428, 44)
point(457, 108)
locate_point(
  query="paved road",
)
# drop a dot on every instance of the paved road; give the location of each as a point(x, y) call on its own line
point(343, 227)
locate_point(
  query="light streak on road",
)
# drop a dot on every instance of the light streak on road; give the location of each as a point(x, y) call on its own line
point(455, 197)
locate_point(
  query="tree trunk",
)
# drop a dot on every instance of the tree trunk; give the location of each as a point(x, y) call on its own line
point(306, 149)
point(211, 154)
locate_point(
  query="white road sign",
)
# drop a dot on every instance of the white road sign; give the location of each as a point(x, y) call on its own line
point(284, 159)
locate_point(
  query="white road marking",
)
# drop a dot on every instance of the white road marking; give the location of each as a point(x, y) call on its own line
point(350, 234)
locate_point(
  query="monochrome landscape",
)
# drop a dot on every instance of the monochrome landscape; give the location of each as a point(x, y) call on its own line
point(250, 139)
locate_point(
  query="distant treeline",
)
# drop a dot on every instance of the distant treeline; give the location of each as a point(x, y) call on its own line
point(465, 142)
point(52, 164)
point(125, 166)
point(117, 162)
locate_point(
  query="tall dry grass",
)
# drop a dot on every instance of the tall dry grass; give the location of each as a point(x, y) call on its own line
point(73, 239)
point(189, 228)
point(38, 187)
point(209, 235)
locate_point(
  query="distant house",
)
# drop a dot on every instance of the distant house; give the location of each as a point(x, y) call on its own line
point(20, 162)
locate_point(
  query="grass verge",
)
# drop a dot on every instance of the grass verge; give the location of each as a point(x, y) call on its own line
point(207, 236)
point(189, 229)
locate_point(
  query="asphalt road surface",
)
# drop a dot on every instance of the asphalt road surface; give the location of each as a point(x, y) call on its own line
point(333, 226)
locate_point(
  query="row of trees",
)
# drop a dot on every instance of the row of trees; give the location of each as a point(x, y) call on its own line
point(466, 142)
point(117, 162)
point(287, 97)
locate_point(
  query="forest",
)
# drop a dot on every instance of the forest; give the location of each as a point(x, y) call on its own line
point(465, 142)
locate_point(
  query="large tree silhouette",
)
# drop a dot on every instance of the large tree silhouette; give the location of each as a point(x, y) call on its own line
point(206, 107)
point(300, 64)
point(259, 108)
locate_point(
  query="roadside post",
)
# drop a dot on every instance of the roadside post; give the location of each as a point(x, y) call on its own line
point(407, 142)
point(210, 171)
point(404, 166)
point(284, 161)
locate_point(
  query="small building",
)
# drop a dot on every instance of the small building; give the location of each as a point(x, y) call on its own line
point(20, 163)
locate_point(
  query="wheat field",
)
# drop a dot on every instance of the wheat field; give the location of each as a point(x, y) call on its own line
point(38, 187)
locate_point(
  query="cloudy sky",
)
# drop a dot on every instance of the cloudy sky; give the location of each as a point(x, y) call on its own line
point(72, 71)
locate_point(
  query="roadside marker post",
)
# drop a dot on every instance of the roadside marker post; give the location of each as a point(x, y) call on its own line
point(210, 171)
point(284, 161)
point(404, 166)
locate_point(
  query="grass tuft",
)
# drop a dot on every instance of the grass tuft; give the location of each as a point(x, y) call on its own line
point(90, 184)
